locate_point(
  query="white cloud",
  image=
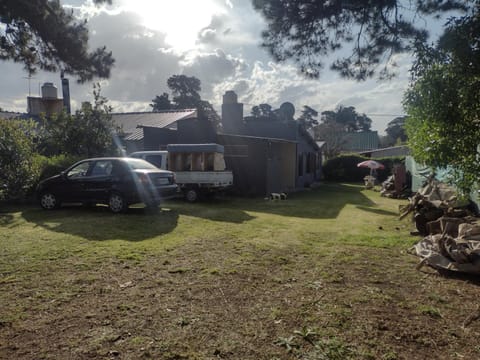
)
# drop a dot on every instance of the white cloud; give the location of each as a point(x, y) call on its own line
point(225, 56)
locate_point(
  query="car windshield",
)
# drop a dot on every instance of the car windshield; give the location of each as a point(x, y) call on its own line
point(137, 164)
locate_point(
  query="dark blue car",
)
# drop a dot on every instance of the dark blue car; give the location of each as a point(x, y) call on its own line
point(117, 182)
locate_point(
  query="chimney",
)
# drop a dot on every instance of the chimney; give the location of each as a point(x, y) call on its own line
point(66, 94)
point(232, 114)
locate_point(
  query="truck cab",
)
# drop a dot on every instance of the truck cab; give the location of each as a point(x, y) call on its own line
point(157, 158)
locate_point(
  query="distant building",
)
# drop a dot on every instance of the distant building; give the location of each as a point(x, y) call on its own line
point(48, 103)
point(401, 150)
point(360, 142)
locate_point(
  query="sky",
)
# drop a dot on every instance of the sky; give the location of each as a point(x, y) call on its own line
point(217, 41)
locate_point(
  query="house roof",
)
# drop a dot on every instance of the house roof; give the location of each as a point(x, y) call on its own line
point(308, 137)
point(137, 134)
point(360, 141)
point(400, 150)
point(197, 148)
point(130, 122)
point(16, 115)
point(258, 138)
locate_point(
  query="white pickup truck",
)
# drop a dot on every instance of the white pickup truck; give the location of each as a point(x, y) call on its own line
point(199, 168)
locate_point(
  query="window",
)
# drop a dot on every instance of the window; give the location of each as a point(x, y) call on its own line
point(79, 171)
point(300, 164)
point(102, 168)
point(155, 160)
point(311, 161)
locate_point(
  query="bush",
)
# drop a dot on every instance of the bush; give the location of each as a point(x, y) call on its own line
point(344, 168)
point(19, 170)
point(53, 165)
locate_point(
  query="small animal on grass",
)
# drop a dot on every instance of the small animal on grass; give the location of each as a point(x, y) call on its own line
point(277, 196)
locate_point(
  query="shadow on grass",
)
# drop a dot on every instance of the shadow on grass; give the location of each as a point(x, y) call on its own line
point(376, 211)
point(454, 275)
point(98, 223)
point(223, 210)
point(325, 202)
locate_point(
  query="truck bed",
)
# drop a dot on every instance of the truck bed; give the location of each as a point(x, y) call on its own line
point(211, 179)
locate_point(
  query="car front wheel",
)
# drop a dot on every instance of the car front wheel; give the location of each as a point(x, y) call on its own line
point(117, 203)
point(49, 201)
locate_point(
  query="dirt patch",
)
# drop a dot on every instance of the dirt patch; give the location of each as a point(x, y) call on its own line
point(223, 300)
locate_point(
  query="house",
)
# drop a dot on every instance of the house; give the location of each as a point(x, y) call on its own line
point(260, 165)
point(265, 156)
point(161, 128)
point(281, 129)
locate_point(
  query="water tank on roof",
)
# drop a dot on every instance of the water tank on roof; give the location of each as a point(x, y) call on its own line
point(49, 91)
point(230, 97)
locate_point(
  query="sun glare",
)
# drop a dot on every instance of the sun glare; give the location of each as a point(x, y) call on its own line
point(180, 20)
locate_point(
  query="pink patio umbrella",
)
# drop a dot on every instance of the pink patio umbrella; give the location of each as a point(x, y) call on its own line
point(371, 164)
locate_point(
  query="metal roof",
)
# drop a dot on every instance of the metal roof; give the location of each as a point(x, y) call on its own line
point(258, 138)
point(16, 115)
point(360, 141)
point(136, 135)
point(130, 122)
point(195, 148)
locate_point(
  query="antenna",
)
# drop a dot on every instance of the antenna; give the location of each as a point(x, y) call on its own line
point(29, 77)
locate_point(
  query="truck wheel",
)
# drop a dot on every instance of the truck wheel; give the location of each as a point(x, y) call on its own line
point(191, 195)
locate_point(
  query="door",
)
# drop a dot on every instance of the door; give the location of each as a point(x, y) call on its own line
point(74, 184)
point(99, 180)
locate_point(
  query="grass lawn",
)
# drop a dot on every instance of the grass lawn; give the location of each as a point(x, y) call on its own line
point(322, 275)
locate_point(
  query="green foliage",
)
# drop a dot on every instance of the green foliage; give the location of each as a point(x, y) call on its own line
point(19, 170)
point(308, 31)
point(185, 91)
point(185, 95)
point(264, 111)
point(41, 34)
point(443, 103)
point(94, 128)
point(395, 130)
point(55, 134)
point(88, 133)
point(334, 137)
point(53, 165)
point(348, 118)
point(161, 102)
point(308, 117)
point(344, 168)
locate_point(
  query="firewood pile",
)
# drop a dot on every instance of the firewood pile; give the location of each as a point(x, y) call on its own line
point(451, 232)
point(397, 185)
point(390, 190)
